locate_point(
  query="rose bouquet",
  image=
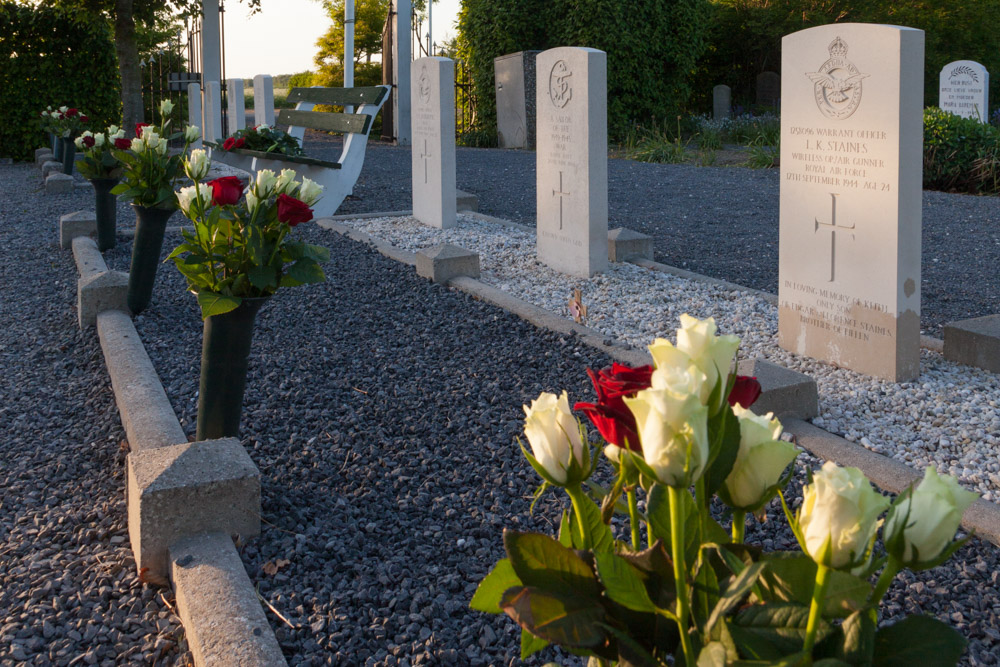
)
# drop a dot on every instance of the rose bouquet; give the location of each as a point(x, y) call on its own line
point(693, 593)
point(262, 138)
point(98, 161)
point(240, 252)
point(68, 122)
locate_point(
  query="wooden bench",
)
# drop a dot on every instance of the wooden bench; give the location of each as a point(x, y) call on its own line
point(337, 178)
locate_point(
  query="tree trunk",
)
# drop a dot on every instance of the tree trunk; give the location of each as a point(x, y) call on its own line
point(128, 64)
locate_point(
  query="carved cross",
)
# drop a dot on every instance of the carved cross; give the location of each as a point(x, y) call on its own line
point(561, 194)
point(426, 154)
point(833, 227)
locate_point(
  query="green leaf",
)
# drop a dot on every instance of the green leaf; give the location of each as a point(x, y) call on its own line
point(565, 531)
point(735, 592)
point(713, 654)
point(262, 277)
point(541, 561)
point(773, 631)
point(216, 304)
point(560, 618)
point(530, 644)
point(858, 632)
point(306, 271)
point(724, 445)
point(493, 586)
point(630, 651)
point(918, 640)
point(622, 583)
point(791, 577)
point(658, 511)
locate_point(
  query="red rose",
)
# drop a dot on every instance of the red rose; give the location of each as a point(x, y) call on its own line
point(84, 119)
point(746, 391)
point(70, 113)
point(293, 211)
point(228, 144)
point(88, 142)
point(226, 191)
point(610, 414)
point(138, 129)
point(239, 143)
point(123, 143)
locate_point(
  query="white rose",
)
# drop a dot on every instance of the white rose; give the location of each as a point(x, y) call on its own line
point(265, 183)
point(197, 165)
point(554, 434)
point(79, 143)
point(63, 109)
point(137, 146)
point(166, 107)
point(252, 201)
point(679, 379)
point(285, 182)
point(99, 140)
point(186, 196)
point(191, 133)
point(669, 425)
point(842, 508)
point(933, 513)
point(113, 131)
point(161, 146)
point(761, 459)
point(310, 191)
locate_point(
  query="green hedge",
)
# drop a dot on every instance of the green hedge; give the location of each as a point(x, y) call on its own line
point(652, 46)
point(53, 56)
point(960, 154)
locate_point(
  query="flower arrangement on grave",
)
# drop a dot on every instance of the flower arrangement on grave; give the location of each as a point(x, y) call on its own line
point(103, 170)
point(693, 592)
point(241, 251)
point(262, 138)
point(65, 124)
point(150, 170)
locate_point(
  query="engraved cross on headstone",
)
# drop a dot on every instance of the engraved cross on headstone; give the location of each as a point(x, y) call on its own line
point(561, 194)
point(426, 154)
point(833, 226)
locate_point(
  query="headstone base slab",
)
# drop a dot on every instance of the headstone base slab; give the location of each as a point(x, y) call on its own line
point(444, 262)
point(78, 223)
point(784, 392)
point(625, 244)
point(974, 342)
point(466, 201)
point(58, 183)
point(104, 291)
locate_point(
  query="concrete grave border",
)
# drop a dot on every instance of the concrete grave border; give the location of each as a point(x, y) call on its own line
point(185, 500)
point(983, 517)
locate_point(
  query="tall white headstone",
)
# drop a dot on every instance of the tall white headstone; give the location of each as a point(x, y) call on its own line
point(263, 100)
point(432, 108)
point(850, 212)
point(237, 107)
point(213, 112)
point(965, 90)
point(572, 159)
point(194, 111)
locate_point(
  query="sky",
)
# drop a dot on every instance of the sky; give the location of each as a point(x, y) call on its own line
point(290, 29)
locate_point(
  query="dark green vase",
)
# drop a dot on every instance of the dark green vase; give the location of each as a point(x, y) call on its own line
point(55, 143)
point(60, 144)
point(69, 156)
point(225, 353)
point(106, 211)
point(150, 223)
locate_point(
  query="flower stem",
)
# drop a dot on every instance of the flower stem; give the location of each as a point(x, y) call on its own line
point(739, 525)
point(892, 568)
point(815, 610)
point(680, 569)
point(577, 498)
point(633, 518)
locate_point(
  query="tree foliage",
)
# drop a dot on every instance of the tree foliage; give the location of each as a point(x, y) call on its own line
point(52, 56)
point(652, 45)
point(369, 17)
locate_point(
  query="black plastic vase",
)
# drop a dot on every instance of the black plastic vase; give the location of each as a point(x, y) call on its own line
point(60, 144)
point(225, 353)
point(150, 224)
point(106, 211)
point(69, 156)
point(55, 143)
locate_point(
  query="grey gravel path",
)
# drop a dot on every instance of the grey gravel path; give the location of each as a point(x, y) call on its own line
point(68, 586)
point(718, 221)
point(382, 411)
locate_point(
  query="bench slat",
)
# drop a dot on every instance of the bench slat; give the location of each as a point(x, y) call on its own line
point(297, 159)
point(330, 122)
point(338, 96)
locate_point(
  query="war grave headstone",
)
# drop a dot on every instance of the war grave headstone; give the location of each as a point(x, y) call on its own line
point(850, 204)
point(964, 90)
point(432, 93)
point(514, 76)
point(572, 160)
point(722, 102)
point(768, 89)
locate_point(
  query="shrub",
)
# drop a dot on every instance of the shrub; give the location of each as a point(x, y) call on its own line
point(54, 56)
point(960, 154)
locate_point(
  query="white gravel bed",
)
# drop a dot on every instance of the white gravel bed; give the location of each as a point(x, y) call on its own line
point(949, 417)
